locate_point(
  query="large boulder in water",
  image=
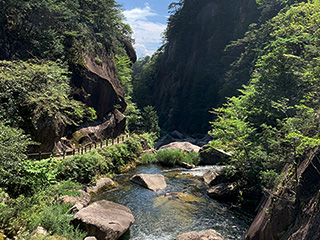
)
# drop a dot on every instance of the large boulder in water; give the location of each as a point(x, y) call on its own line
point(183, 146)
point(212, 156)
point(203, 235)
point(104, 220)
point(224, 192)
point(153, 182)
point(210, 177)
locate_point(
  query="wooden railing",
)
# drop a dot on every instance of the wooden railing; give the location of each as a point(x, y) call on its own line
point(79, 151)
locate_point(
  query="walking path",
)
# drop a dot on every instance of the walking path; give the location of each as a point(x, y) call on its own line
point(78, 151)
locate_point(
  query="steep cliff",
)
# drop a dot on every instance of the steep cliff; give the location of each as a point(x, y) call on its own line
point(70, 45)
point(189, 75)
point(292, 212)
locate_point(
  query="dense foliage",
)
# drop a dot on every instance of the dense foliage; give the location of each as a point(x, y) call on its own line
point(59, 29)
point(43, 46)
point(171, 157)
point(275, 120)
point(13, 145)
point(35, 94)
point(36, 186)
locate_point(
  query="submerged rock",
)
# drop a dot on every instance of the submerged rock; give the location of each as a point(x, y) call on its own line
point(153, 182)
point(182, 197)
point(203, 235)
point(104, 220)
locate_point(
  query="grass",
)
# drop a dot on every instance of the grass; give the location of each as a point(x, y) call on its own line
point(170, 158)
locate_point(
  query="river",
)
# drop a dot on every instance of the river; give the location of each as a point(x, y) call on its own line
point(163, 218)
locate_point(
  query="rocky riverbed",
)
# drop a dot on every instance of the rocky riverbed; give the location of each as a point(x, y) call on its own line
point(181, 207)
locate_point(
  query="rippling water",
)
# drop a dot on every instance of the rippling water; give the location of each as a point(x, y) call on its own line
point(162, 218)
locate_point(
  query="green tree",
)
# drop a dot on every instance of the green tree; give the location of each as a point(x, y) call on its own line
point(150, 120)
point(275, 119)
point(13, 147)
point(36, 94)
point(124, 73)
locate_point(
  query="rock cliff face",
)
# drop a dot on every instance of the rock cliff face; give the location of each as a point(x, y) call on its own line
point(292, 212)
point(98, 86)
point(95, 84)
point(192, 65)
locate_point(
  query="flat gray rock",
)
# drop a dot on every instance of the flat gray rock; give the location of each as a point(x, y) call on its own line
point(104, 220)
point(154, 182)
point(183, 146)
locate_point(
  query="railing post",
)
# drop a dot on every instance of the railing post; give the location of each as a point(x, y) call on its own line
point(95, 145)
point(39, 155)
point(112, 141)
point(64, 153)
point(73, 152)
point(89, 147)
point(81, 150)
point(122, 138)
point(117, 139)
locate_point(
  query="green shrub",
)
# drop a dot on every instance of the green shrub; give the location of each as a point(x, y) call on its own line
point(172, 157)
point(191, 157)
point(56, 220)
point(40, 173)
point(148, 158)
point(82, 168)
point(149, 139)
point(13, 146)
point(169, 157)
point(26, 213)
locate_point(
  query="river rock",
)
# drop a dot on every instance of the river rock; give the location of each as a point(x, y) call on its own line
point(184, 146)
point(78, 201)
point(177, 135)
point(212, 156)
point(102, 185)
point(224, 192)
point(153, 182)
point(187, 165)
point(183, 197)
point(90, 238)
point(213, 177)
point(203, 235)
point(104, 220)
point(39, 232)
point(164, 141)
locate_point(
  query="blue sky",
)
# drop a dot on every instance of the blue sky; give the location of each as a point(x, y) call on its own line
point(148, 20)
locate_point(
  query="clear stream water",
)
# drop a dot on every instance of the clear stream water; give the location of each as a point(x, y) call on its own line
point(159, 217)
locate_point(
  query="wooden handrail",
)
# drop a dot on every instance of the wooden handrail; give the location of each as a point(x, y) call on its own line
point(81, 150)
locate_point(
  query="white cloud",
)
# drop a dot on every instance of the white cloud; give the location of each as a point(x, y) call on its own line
point(139, 14)
point(147, 31)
